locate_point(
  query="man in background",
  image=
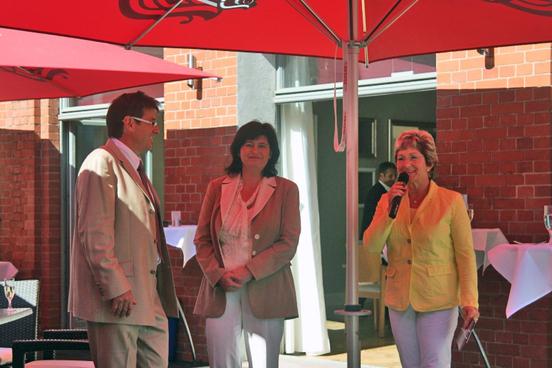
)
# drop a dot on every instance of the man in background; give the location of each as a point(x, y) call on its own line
point(386, 174)
point(121, 280)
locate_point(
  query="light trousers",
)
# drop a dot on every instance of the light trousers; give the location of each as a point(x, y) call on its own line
point(262, 336)
point(114, 345)
point(424, 339)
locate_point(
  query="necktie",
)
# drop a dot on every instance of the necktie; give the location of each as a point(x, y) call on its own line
point(160, 235)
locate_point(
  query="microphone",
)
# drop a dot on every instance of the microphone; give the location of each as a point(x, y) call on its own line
point(396, 201)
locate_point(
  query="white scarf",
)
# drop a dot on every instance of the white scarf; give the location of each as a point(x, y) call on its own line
point(235, 232)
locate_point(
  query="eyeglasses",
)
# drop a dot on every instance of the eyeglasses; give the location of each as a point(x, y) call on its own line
point(152, 123)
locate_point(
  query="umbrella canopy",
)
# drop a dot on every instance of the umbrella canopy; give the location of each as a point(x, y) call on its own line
point(390, 28)
point(35, 65)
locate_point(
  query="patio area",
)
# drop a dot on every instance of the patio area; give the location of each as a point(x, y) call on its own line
point(376, 352)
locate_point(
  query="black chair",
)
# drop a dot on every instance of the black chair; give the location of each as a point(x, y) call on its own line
point(26, 296)
point(50, 348)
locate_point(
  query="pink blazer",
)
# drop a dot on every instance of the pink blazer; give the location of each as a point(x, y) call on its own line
point(275, 231)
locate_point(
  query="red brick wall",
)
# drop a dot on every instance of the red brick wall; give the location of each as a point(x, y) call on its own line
point(192, 158)
point(494, 133)
point(218, 104)
point(30, 198)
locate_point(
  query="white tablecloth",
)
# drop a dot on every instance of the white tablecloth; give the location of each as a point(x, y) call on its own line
point(527, 268)
point(7, 271)
point(8, 315)
point(182, 237)
point(483, 241)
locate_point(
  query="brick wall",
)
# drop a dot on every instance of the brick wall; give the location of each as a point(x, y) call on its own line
point(494, 130)
point(30, 197)
point(192, 158)
point(218, 104)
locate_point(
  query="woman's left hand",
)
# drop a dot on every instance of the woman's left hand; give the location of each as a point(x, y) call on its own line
point(240, 275)
point(469, 314)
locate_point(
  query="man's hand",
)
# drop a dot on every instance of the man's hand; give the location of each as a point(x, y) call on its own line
point(469, 314)
point(121, 305)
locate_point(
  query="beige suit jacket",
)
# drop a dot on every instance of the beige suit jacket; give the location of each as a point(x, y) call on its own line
point(275, 233)
point(114, 244)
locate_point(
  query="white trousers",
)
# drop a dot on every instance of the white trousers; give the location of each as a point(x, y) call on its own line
point(424, 339)
point(262, 336)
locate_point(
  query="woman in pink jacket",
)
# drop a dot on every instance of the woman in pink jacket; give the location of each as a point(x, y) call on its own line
point(247, 234)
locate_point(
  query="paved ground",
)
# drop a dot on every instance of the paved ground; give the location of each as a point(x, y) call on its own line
point(376, 352)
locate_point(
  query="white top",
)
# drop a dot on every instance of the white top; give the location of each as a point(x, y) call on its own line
point(235, 232)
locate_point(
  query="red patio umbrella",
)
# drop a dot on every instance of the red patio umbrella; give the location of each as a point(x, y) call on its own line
point(380, 28)
point(35, 65)
point(298, 27)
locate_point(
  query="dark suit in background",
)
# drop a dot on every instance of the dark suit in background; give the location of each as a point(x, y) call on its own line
point(370, 203)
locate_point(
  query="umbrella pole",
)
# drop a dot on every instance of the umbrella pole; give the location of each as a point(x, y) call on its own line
point(350, 113)
point(352, 310)
point(350, 118)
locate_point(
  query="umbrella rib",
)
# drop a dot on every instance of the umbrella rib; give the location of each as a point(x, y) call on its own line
point(319, 21)
point(375, 33)
point(129, 45)
point(382, 20)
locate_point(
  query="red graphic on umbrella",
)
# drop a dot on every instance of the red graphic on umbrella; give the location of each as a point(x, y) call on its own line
point(186, 11)
point(537, 7)
point(37, 74)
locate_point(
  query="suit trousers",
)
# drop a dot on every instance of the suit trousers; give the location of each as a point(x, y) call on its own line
point(424, 339)
point(115, 345)
point(262, 336)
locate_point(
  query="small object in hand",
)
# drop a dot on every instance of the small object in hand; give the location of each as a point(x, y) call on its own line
point(463, 336)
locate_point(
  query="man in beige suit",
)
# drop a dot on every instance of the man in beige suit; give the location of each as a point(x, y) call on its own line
point(121, 281)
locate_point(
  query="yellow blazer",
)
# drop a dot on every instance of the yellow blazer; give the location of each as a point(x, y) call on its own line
point(275, 230)
point(431, 256)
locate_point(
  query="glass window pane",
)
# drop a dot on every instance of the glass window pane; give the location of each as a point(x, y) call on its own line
point(321, 71)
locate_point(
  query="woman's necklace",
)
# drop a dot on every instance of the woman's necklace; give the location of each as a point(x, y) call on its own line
point(415, 202)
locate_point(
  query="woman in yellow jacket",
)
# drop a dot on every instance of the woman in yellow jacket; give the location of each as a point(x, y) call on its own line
point(432, 266)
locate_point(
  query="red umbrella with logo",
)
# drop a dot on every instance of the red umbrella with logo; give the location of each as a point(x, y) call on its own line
point(353, 29)
point(390, 28)
point(35, 65)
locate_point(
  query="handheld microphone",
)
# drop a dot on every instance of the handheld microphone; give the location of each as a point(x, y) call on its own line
point(396, 201)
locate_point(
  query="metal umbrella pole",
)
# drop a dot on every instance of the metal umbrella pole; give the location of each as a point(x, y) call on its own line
point(352, 310)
